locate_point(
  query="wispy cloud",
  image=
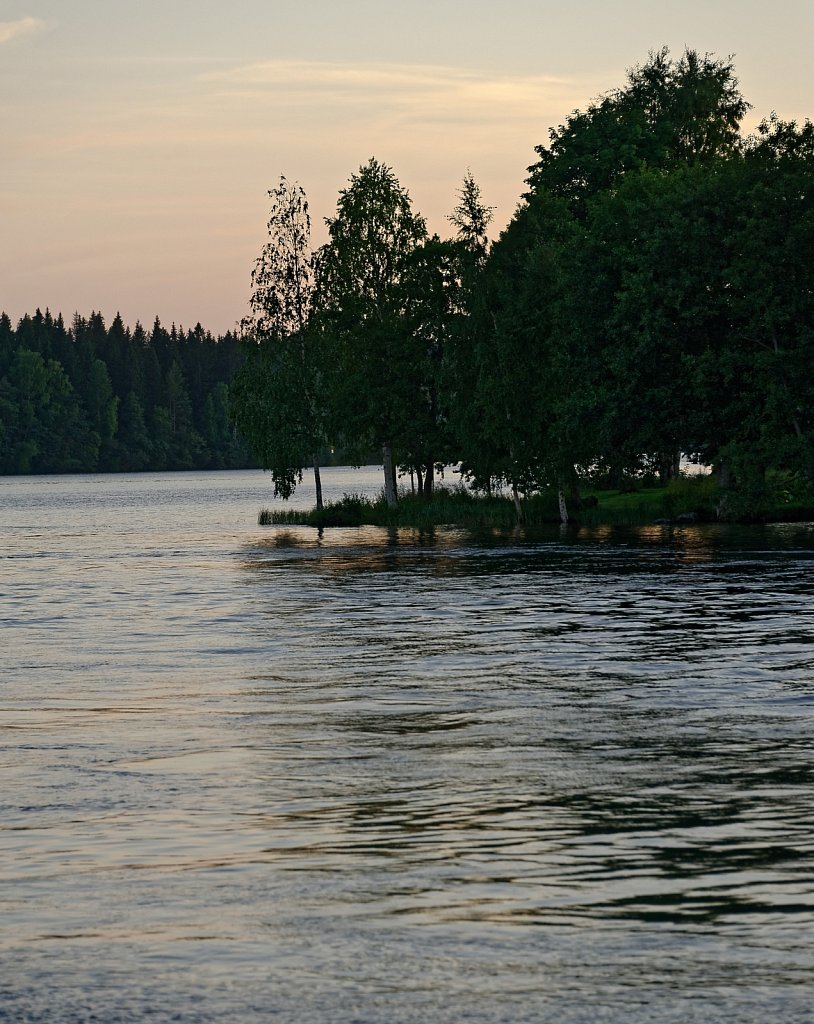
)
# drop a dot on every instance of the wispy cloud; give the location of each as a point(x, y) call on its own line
point(294, 102)
point(371, 75)
point(22, 27)
point(422, 92)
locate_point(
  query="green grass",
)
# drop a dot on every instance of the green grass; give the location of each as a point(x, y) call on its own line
point(693, 498)
point(462, 508)
point(687, 496)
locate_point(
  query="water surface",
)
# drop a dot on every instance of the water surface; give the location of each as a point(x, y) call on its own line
point(258, 773)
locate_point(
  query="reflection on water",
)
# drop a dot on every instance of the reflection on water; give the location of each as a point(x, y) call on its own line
point(372, 776)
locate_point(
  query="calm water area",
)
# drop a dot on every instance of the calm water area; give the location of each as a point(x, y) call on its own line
point(255, 773)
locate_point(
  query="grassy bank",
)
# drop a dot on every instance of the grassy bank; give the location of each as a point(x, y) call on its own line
point(687, 499)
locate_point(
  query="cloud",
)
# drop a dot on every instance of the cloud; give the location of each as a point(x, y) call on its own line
point(22, 27)
point(316, 74)
point(295, 102)
point(423, 94)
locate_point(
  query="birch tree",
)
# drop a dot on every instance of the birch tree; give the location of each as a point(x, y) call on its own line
point(277, 396)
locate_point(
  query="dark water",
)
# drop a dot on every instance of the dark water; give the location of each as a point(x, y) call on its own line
point(252, 774)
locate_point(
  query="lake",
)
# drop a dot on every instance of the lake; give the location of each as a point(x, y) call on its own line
point(257, 773)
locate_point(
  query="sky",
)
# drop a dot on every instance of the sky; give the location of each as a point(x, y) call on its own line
point(138, 141)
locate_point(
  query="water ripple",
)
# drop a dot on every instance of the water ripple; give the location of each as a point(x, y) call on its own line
point(364, 776)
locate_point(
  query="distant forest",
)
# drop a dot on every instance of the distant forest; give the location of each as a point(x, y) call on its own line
point(90, 398)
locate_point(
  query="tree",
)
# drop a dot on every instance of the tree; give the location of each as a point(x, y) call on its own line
point(218, 432)
point(277, 397)
point(135, 444)
point(44, 428)
point(583, 361)
point(644, 293)
point(363, 271)
point(764, 365)
point(432, 297)
point(511, 433)
point(471, 218)
point(102, 405)
point(669, 113)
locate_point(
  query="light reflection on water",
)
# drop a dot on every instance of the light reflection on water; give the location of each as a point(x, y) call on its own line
point(368, 776)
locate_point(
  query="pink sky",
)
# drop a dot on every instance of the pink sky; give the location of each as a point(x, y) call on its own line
point(139, 140)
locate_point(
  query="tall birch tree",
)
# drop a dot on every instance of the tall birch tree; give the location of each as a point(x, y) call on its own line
point(277, 396)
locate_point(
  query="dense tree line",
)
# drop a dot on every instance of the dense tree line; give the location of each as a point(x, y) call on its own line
point(652, 296)
point(88, 397)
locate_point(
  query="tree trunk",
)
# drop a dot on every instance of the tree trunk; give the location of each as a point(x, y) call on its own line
point(563, 506)
point(669, 467)
point(389, 476)
point(393, 480)
point(518, 507)
point(429, 481)
point(318, 483)
point(420, 479)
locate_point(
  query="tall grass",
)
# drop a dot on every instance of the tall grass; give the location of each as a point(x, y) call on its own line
point(696, 498)
point(455, 507)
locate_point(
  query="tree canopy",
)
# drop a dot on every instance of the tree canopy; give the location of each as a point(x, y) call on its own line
point(365, 273)
point(669, 113)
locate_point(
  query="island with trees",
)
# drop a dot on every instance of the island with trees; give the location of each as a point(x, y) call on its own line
point(651, 300)
point(650, 304)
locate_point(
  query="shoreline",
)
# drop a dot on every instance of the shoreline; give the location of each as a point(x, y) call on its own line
point(688, 501)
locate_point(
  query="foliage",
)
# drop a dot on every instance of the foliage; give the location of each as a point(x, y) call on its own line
point(651, 296)
point(278, 400)
point(669, 113)
point(471, 218)
point(366, 269)
point(88, 398)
